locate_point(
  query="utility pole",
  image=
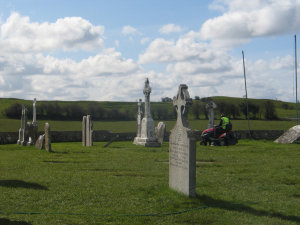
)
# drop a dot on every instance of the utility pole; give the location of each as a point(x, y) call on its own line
point(246, 94)
point(297, 120)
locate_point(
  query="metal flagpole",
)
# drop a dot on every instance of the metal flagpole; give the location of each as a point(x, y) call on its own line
point(297, 120)
point(246, 93)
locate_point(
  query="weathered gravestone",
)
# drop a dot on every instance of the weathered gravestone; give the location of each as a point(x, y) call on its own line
point(211, 115)
point(160, 131)
point(182, 150)
point(139, 119)
point(290, 136)
point(23, 131)
point(47, 137)
point(32, 127)
point(87, 131)
point(40, 142)
point(147, 138)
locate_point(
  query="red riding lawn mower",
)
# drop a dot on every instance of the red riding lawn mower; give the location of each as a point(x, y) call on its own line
point(223, 139)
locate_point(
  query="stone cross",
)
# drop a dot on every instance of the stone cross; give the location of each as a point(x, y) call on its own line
point(147, 91)
point(210, 107)
point(47, 137)
point(147, 136)
point(182, 147)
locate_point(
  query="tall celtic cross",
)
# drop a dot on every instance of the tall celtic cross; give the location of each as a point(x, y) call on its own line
point(182, 102)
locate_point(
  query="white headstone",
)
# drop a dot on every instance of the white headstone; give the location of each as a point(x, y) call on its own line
point(182, 150)
point(84, 131)
point(87, 131)
point(147, 138)
point(139, 119)
point(290, 136)
point(160, 131)
point(210, 107)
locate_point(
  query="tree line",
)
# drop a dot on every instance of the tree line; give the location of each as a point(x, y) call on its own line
point(266, 110)
point(159, 111)
point(74, 111)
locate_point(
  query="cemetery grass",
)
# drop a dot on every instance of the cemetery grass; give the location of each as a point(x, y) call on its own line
point(254, 182)
point(13, 125)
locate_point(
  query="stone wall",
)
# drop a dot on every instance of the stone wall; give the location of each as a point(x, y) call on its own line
point(103, 135)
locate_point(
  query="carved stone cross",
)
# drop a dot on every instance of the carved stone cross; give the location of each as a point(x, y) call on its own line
point(182, 102)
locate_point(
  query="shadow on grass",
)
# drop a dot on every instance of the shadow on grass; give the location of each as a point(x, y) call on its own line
point(4, 221)
point(221, 204)
point(21, 184)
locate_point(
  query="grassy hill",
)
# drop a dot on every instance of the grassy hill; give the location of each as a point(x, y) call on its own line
point(284, 110)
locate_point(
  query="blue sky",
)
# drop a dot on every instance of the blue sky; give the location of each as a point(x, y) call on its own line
point(104, 50)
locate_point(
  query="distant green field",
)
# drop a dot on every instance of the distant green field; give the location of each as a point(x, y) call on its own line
point(12, 125)
point(253, 182)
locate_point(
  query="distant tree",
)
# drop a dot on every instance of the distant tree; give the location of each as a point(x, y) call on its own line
point(14, 111)
point(166, 99)
point(197, 98)
point(270, 111)
point(196, 109)
point(252, 108)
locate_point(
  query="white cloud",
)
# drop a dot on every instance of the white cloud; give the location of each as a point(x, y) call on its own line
point(129, 30)
point(170, 28)
point(244, 20)
point(145, 40)
point(19, 34)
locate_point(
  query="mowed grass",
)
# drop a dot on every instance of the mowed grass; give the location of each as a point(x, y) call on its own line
point(13, 125)
point(254, 182)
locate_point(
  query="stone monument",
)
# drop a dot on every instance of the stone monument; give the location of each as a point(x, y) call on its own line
point(87, 131)
point(211, 115)
point(139, 119)
point(160, 131)
point(23, 132)
point(290, 136)
point(147, 138)
point(33, 126)
point(182, 149)
point(47, 137)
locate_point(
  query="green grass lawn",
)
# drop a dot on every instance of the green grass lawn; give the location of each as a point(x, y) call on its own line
point(13, 125)
point(254, 182)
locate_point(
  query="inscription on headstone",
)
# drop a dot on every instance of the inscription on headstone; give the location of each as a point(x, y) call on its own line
point(182, 149)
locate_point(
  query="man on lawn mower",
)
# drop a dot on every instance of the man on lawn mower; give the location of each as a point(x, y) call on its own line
point(224, 126)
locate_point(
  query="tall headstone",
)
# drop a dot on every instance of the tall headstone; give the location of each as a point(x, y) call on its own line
point(160, 131)
point(34, 111)
point(23, 131)
point(147, 138)
point(21, 138)
point(182, 149)
point(87, 131)
point(47, 137)
point(211, 115)
point(84, 131)
point(139, 119)
point(32, 126)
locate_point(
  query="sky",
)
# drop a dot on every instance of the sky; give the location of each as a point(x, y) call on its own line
point(104, 50)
